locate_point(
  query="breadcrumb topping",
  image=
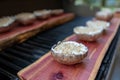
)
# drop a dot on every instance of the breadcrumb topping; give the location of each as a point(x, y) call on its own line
point(70, 47)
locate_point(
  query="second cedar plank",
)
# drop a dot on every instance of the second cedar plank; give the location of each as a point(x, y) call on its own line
point(46, 68)
point(21, 33)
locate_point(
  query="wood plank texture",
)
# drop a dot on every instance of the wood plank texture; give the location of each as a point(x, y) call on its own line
point(21, 33)
point(46, 68)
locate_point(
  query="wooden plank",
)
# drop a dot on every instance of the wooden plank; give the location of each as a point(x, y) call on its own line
point(46, 68)
point(21, 33)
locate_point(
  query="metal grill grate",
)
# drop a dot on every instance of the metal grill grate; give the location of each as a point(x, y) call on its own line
point(21, 55)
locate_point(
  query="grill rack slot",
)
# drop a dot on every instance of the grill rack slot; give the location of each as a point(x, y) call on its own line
point(10, 67)
point(6, 75)
point(14, 59)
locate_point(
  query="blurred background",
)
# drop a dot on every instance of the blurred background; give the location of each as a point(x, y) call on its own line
point(89, 7)
point(80, 7)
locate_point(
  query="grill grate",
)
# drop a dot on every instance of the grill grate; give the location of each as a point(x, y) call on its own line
point(21, 55)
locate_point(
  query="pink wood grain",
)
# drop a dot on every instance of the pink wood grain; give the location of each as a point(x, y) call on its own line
point(46, 68)
point(37, 24)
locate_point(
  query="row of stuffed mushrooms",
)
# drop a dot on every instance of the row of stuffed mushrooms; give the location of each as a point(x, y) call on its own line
point(72, 52)
point(26, 18)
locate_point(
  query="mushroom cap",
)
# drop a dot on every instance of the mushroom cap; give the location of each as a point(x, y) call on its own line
point(88, 33)
point(69, 52)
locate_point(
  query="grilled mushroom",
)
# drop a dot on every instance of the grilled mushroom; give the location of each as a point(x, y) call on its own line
point(69, 52)
point(25, 18)
point(57, 11)
point(88, 33)
point(104, 15)
point(98, 23)
point(42, 14)
point(6, 24)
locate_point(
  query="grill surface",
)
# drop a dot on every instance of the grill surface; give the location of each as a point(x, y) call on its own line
point(21, 55)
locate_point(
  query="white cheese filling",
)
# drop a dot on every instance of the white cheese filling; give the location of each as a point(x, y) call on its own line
point(57, 11)
point(6, 21)
point(98, 23)
point(70, 47)
point(24, 16)
point(42, 12)
point(104, 13)
point(88, 30)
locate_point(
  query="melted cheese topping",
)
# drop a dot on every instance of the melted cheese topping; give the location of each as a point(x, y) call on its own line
point(107, 11)
point(6, 21)
point(70, 47)
point(25, 16)
point(102, 24)
point(88, 30)
point(42, 12)
point(57, 11)
point(104, 13)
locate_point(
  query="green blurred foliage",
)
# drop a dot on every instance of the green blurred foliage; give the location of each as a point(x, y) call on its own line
point(98, 3)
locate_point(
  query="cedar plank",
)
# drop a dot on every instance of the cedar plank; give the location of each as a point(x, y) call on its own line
point(46, 68)
point(21, 33)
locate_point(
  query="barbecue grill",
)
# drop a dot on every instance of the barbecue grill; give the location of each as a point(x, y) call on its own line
point(18, 56)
